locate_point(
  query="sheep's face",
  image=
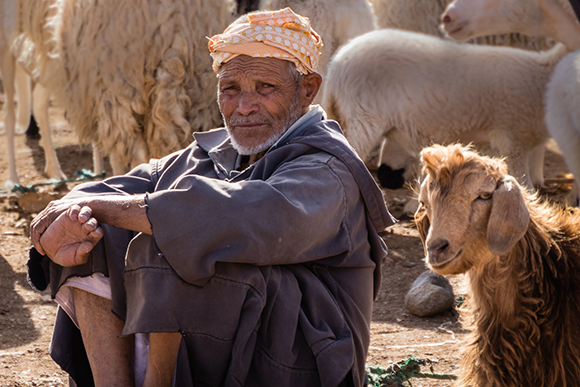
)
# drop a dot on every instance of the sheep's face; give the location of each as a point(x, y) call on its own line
point(469, 210)
point(467, 19)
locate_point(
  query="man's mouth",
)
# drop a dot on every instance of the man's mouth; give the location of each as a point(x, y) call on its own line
point(248, 124)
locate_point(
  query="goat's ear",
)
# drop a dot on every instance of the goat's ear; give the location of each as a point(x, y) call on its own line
point(422, 222)
point(421, 219)
point(509, 217)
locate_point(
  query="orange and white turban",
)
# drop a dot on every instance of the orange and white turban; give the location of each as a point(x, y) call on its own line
point(279, 34)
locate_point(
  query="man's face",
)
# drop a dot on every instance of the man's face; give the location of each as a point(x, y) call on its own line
point(259, 100)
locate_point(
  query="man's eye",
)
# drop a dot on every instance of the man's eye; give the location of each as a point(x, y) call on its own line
point(228, 89)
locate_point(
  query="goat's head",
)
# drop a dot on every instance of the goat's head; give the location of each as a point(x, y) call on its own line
point(469, 211)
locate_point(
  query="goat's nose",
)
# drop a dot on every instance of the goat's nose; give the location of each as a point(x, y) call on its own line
point(446, 19)
point(437, 247)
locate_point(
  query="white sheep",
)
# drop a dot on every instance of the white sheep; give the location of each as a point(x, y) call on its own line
point(412, 15)
point(421, 90)
point(17, 83)
point(563, 115)
point(134, 77)
point(425, 16)
point(522, 258)
point(465, 19)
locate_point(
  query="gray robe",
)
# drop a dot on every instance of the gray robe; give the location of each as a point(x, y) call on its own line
point(269, 273)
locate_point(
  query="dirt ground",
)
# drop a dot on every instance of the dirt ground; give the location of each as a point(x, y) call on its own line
point(26, 316)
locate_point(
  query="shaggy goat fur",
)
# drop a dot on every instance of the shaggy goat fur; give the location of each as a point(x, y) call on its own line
point(525, 300)
point(421, 89)
point(134, 76)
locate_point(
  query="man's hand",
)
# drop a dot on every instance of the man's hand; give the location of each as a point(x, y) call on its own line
point(45, 218)
point(123, 211)
point(70, 237)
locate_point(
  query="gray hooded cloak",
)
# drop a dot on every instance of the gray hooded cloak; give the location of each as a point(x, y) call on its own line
point(269, 273)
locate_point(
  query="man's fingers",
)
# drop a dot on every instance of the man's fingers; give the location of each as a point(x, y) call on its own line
point(38, 247)
point(42, 221)
point(90, 225)
point(73, 211)
point(36, 231)
point(84, 214)
point(96, 235)
point(83, 251)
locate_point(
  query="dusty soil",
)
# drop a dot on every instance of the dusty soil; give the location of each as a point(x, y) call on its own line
point(26, 316)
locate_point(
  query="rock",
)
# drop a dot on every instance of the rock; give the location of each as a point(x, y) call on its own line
point(36, 201)
point(430, 294)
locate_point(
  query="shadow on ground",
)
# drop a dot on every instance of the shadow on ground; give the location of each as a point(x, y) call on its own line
point(16, 325)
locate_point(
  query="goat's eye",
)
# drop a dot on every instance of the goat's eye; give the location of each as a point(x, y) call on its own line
point(485, 195)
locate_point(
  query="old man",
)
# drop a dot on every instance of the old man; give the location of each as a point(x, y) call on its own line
point(250, 258)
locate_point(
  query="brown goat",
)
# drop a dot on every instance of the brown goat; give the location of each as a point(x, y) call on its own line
point(522, 257)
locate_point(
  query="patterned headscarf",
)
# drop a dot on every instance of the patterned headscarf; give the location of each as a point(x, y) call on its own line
point(280, 34)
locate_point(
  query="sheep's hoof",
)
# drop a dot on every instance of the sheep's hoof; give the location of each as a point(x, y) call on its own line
point(560, 183)
point(549, 188)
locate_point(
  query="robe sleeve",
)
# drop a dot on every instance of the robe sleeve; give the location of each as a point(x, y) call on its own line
point(138, 181)
point(42, 271)
point(296, 215)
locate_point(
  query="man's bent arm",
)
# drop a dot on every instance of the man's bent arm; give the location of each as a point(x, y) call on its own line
point(122, 211)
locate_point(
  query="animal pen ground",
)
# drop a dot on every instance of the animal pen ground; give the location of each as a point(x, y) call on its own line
point(26, 316)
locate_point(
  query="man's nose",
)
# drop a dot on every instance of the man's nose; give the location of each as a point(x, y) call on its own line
point(247, 103)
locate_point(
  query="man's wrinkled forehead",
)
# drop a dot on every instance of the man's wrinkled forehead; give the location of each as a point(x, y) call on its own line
point(255, 68)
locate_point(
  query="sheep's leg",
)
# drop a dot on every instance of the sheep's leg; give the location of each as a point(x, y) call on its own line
point(518, 167)
point(40, 108)
point(573, 198)
point(98, 163)
point(7, 67)
point(374, 159)
point(536, 165)
point(140, 152)
point(23, 92)
point(570, 147)
point(118, 167)
point(129, 154)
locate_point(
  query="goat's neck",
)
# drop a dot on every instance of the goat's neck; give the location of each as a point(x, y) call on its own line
point(560, 25)
point(495, 289)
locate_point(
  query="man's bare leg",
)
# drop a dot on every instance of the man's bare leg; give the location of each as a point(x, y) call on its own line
point(111, 357)
point(163, 348)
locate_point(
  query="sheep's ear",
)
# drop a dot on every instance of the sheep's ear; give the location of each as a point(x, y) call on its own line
point(509, 218)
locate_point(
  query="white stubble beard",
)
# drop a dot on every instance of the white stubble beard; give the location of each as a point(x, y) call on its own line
point(295, 114)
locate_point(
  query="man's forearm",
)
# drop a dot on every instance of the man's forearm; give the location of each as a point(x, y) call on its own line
point(127, 212)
